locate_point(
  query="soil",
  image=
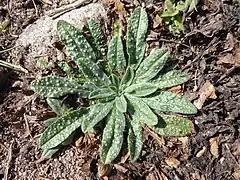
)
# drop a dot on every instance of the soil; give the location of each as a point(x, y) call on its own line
point(208, 51)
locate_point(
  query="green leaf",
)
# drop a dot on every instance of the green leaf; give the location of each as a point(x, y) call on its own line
point(115, 81)
point(53, 86)
point(101, 93)
point(170, 102)
point(57, 106)
point(115, 56)
point(96, 113)
point(144, 113)
point(93, 73)
point(97, 36)
point(141, 89)
point(112, 138)
point(48, 153)
point(49, 121)
point(136, 35)
point(77, 45)
point(152, 65)
point(172, 126)
point(62, 128)
point(127, 78)
point(134, 138)
point(170, 79)
point(169, 9)
point(65, 67)
point(181, 6)
point(121, 104)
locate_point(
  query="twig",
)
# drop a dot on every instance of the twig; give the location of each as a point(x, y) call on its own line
point(9, 49)
point(62, 10)
point(9, 159)
point(35, 6)
point(12, 66)
point(171, 41)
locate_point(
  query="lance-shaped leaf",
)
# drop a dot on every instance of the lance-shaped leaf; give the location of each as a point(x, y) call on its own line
point(101, 93)
point(112, 136)
point(136, 35)
point(47, 153)
point(144, 113)
point(127, 78)
point(77, 45)
point(115, 56)
point(134, 138)
point(57, 105)
point(170, 102)
point(53, 86)
point(170, 79)
point(121, 104)
point(152, 65)
point(93, 72)
point(172, 126)
point(115, 81)
point(96, 113)
point(62, 128)
point(141, 89)
point(97, 36)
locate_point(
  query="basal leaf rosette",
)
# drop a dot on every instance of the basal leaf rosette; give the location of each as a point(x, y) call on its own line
point(126, 93)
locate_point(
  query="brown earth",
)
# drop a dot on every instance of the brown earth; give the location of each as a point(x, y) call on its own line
point(208, 51)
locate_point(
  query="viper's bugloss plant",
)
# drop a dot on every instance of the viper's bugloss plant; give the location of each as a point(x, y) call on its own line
point(126, 90)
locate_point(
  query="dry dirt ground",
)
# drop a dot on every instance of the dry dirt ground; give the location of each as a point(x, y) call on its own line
point(208, 51)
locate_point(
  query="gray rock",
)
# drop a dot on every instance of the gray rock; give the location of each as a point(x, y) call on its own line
point(38, 38)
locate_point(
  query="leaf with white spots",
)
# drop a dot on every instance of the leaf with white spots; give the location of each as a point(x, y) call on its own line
point(115, 81)
point(141, 89)
point(97, 36)
point(112, 138)
point(170, 79)
point(127, 78)
point(62, 128)
point(170, 102)
point(115, 56)
point(144, 113)
point(93, 73)
point(54, 86)
point(136, 36)
point(152, 65)
point(77, 45)
point(134, 138)
point(101, 93)
point(121, 104)
point(172, 126)
point(57, 106)
point(96, 113)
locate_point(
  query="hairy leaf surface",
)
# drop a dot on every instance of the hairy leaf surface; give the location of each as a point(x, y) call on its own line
point(98, 37)
point(127, 78)
point(121, 104)
point(112, 136)
point(101, 93)
point(62, 128)
point(144, 113)
point(115, 56)
point(141, 89)
point(77, 45)
point(134, 138)
point(152, 65)
point(54, 86)
point(172, 126)
point(93, 72)
point(170, 102)
point(57, 106)
point(136, 35)
point(96, 113)
point(170, 79)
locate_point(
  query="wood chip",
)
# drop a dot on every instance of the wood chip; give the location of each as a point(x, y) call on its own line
point(172, 162)
point(201, 152)
point(214, 148)
point(206, 91)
